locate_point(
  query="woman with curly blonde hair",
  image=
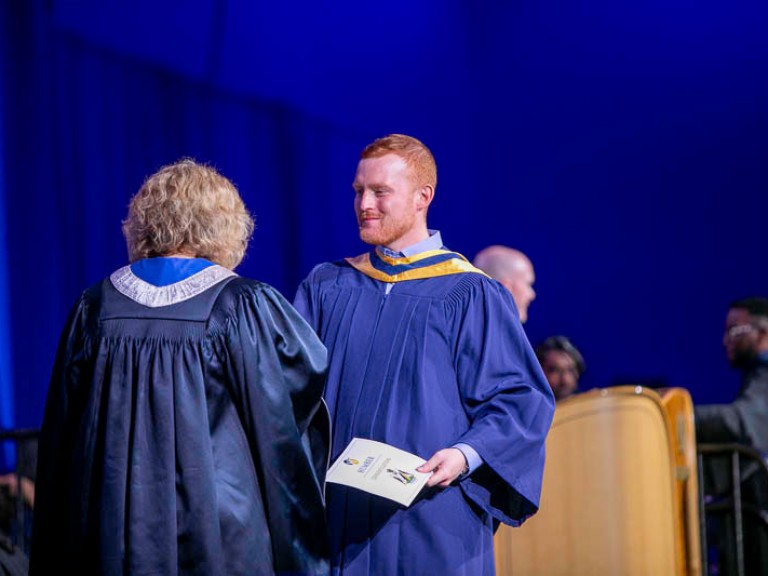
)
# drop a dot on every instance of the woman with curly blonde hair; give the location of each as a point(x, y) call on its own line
point(180, 428)
point(188, 209)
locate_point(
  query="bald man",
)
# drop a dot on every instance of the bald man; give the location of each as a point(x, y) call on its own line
point(513, 270)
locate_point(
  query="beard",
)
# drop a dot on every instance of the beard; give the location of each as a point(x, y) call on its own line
point(742, 358)
point(386, 230)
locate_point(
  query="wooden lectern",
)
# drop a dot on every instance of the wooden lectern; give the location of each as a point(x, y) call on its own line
point(620, 491)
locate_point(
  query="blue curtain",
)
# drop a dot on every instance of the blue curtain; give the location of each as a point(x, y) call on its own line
point(7, 406)
point(88, 125)
point(622, 148)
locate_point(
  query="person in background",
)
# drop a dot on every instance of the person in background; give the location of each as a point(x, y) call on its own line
point(745, 419)
point(176, 431)
point(563, 365)
point(426, 353)
point(742, 421)
point(15, 513)
point(514, 270)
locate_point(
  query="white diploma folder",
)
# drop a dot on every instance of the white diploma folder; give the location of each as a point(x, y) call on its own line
point(379, 469)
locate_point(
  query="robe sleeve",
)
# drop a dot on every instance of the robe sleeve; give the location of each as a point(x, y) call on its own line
point(507, 399)
point(57, 443)
point(277, 366)
point(305, 302)
point(744, 421)
point(720, 423)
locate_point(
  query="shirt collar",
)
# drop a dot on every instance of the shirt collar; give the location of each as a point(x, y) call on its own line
point(434, 242)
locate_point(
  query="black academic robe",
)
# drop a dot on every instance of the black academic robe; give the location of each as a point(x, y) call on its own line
point(175, 438)
point(743, 421)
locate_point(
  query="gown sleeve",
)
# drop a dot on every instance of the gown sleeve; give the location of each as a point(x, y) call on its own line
point(744, 421)
point(57, 443)
point(508, 400)
point(277, 370)
point(720, 423)
point(304, 302)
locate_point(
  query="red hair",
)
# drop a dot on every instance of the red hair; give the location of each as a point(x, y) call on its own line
point(415, 154)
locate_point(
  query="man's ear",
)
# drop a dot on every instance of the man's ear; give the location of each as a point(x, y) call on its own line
point(762, 337)
point(424, 196)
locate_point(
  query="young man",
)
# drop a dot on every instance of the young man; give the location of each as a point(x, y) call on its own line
point(426, 353)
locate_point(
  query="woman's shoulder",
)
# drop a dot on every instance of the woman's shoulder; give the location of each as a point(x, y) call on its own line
point(249, 293)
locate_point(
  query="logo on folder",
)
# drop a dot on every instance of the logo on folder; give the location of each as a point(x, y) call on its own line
point(401, 476)
point(363, 467)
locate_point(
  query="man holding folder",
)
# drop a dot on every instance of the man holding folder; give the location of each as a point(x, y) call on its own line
point(426, 354)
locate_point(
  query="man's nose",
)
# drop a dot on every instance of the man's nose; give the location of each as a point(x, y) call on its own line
point(366, 200)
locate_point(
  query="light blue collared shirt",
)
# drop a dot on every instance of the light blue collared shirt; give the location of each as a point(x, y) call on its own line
point(434, 242)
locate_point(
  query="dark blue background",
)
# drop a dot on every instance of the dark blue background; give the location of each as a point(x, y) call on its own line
point(623, 146)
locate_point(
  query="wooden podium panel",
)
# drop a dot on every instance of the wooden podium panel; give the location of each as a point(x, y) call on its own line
point(615, 494)
point(678, 412)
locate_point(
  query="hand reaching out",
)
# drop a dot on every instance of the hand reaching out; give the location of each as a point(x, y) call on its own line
point(447, 465)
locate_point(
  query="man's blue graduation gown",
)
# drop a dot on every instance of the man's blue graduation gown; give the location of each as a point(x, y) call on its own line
point(434, 362)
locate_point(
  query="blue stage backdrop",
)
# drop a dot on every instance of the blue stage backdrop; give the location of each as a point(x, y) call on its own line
point(6, 359)
point(622, 147)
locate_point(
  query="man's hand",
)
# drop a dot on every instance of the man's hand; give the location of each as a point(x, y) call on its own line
point(11, 481)
point(447, 465)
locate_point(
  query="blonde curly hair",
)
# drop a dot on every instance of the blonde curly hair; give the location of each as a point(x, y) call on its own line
point(188, 208)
